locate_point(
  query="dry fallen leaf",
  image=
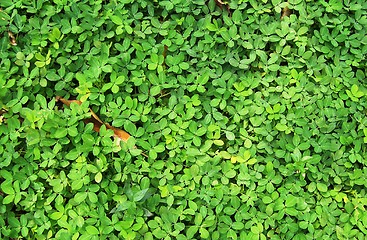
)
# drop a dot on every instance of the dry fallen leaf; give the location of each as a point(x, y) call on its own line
point(12, 38)
point(119, 134)
point(97, 122)
point(165, 49)
point(2, 119)
point(67, 102)
point(220, 4)
point(285, 12)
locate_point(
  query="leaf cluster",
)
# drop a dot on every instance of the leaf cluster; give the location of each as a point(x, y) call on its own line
point(252, 115)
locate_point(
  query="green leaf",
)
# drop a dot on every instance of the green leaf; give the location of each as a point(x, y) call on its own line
point(230, 174)
point(72, 155)
point(60, 133)
point(302, 30)
point(6, 3)
point(286, 50)
point(130, 127)
point(42, 101)
point(204, 233)
point(193, 152)
point(116, 20)
point(184, 65)
point(274, 67)
point(281, 127)
point(92, 230)
point(256, 121)
point(159, 233)
point(129, 102)
point(218, 142)
point(230, 135)
point(80, 197)
point(135, 152)
point(211, 27)
point(33, 137)
point(140, 195)
point(291, 201)
point(237, 16)
point(40, 64)
point(238, 225)
point(92, 197)
point(155, 90)
point(7, 187)
point(8, 199)
point(267, 199)
point(191, 231)
point(321, 187)
point(56, 215)
point(98, 177)
point(77, 184)
point(291, 212)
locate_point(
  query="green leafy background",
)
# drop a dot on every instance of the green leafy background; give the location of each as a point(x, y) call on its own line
point(255, 126)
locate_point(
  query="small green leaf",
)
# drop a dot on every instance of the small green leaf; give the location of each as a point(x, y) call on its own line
point(286, 50)
point(155, 90)
point(140, 195)
point(116, 20)
point(92, 230)
point(291, 201)
point(321, 187)
point(193, 152)
point(184, 65)
point(267, 199)
point(56, 215)
point(77, 184)
point(7, 187)
point(191, 231)
point(80, 197)
point(8, 199)
point(291, 211)
point(230, 135)
point(302, 30)
point(98, 177)
point(204, 233)
point(129, 102)
point(92, 197)
point(61, 132)
point(251, 161)
point(281, 127)
point(238, 225)
point(211, 27)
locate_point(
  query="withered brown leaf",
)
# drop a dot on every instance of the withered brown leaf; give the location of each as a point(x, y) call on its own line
point(12, 38)
point(285, 12)
point(220, 4)
point(97, 122)
point(2, 119)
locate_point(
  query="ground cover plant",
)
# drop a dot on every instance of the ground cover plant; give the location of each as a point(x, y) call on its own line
point(246, 119)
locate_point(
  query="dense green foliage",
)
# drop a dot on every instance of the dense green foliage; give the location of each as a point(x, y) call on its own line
point(254, 123)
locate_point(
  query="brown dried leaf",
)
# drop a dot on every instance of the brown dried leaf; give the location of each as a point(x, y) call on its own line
point(67, 102)
point(2, 119)
point(12, 38)
point(285, 12)
point(220, 4)
point(95, 116)
point(97, 122)
point(121, 134)
point(165, 49)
